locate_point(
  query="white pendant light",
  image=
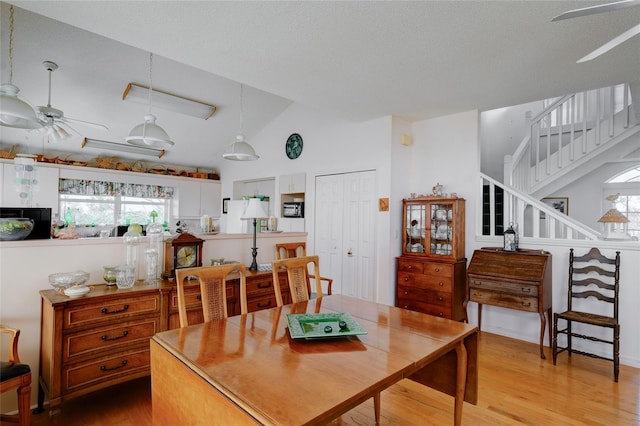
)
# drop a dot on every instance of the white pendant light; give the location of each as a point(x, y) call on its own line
point(148, 133)
point(14, 112)
point(240, 150)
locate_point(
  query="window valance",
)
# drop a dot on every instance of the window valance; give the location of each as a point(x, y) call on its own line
point(97, 187)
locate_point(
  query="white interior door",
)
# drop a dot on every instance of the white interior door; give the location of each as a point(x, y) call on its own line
point(345, 231)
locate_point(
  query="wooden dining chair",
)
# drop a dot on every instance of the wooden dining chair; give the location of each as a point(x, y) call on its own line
point(15, 375)
point(213, 290)
point(591, 276)
point(299, 249)
point(297, 276)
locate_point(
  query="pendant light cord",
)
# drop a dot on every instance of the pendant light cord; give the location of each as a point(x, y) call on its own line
point(11, 45)
point(241, 109)
point(150, 78)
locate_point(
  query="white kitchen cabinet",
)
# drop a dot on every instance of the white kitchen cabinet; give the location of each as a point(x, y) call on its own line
point(45, 193)
point(293, 184)
point(197, 198)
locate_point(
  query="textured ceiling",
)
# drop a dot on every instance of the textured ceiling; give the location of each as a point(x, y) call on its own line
point(357, 59)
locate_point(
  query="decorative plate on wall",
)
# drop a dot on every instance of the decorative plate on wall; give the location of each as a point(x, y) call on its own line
point(293, 146)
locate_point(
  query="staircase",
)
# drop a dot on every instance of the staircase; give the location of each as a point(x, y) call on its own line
point(572, 136)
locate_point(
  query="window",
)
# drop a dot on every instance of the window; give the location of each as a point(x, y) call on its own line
point(629, 205)
point(625, 184)
point(110, 203)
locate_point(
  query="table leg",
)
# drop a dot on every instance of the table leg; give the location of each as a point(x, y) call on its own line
point(376, 407)
point(479, 316)
point(461, 380)
point(543, 323)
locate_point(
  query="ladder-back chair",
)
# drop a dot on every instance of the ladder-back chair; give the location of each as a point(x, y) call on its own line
point(597, 276)
point(15, 375)
point(213, 292)
point(299, 249)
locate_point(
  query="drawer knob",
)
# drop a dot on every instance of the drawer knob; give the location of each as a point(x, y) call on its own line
point(199, 297)
point(440, 298)
point(264, 285)
point(406, 292)
point(440, 314)
point(124, 334)
point(527, 304)
point(105, 368)
point(409, 267)
point(441, 284)
point(437, 269)
point(526, 290)
point(108, 312)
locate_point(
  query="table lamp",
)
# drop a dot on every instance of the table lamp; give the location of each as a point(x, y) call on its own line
point(254, 211)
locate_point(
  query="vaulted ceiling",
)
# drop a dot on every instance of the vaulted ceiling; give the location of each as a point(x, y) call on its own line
point(352, 59)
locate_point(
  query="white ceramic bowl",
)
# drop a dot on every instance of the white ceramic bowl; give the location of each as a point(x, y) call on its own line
point(76, 291)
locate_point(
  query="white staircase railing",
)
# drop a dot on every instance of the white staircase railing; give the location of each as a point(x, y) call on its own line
point(532, 217)
point(567, 133)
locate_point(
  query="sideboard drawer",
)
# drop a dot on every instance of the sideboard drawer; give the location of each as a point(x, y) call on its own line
point(110, 310)
point(427, 308)
point(438, 269)
point(89, 342)
point(108, 368)
point(505, 300)
point(422, 295)
point(423, 281)
point(261, 303)
point(524, 289)
point(409, 266)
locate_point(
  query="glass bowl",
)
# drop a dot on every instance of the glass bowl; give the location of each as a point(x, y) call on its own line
point(14, 229)
point(67, 279)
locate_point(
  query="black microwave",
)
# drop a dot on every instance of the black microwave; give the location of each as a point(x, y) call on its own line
point(41, 220)
point(293, 209)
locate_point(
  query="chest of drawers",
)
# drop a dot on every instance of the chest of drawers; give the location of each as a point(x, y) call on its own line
point(431, 286)
point(102, 338)
point(515, 280)
point(96, 340)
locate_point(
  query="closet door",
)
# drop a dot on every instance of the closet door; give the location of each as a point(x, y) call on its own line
point(345, 231)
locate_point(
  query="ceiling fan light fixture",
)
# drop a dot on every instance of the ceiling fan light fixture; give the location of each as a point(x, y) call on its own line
point(240, 150)
point(14, 112)
point(149, 134)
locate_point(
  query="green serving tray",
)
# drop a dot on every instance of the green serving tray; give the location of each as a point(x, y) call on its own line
point(312, 326)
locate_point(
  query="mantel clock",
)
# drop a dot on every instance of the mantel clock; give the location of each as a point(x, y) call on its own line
point(184, 251)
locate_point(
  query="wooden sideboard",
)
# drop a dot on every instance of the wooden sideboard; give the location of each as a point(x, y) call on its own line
point(516, 280)
point(98, 340)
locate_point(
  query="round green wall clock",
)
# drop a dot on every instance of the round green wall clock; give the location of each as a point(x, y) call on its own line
point(293, 147)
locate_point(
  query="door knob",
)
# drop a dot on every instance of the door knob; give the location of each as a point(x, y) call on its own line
point(349, 253)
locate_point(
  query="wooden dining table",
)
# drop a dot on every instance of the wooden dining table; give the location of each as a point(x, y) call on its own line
point(247, 369)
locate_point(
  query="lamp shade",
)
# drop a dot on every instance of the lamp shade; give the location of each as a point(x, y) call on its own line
point(613, 216)
point(240, 150)
point(254, 210)
point(149, 134)
point(15, 112)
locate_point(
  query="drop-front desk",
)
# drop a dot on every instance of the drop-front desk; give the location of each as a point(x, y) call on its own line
point(516, 280)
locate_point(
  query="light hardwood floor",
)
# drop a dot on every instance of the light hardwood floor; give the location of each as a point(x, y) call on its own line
point(516, 387)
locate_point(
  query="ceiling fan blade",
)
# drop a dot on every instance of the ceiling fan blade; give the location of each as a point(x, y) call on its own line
point(86, 123)
point(633, 31)
point(601, 8)
point(69, 126)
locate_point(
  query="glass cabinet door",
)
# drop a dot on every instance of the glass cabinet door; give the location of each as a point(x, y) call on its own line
point(416, 223)
point(441, 235)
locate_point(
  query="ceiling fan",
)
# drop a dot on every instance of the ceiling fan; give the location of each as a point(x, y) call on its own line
point(607, 7)
point(55, 124)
